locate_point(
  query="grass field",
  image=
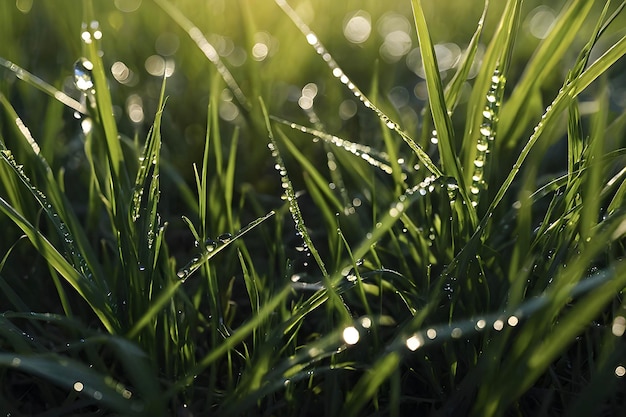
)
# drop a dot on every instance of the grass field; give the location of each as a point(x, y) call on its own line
point(302, 208)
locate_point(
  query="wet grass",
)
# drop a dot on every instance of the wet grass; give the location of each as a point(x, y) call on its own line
point(320, 245)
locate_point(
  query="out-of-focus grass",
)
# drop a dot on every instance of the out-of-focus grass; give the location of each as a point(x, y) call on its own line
point(414, 242)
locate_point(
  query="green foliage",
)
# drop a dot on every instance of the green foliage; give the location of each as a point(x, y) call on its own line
point(468, 260)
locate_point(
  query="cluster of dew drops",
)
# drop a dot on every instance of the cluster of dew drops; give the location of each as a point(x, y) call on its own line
point(207, 247)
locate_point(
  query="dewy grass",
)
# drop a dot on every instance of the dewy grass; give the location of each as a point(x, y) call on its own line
point(462, 278)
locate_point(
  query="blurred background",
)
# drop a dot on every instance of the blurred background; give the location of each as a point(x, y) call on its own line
point(373, 41)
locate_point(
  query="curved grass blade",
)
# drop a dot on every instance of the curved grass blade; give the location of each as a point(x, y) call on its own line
point(372, 156)
point(487, 135)
point(531, 360)
point(144, 206)
point(384, 225)
point(215, 247)
point(296, 214)
point(73, 375)
point(548, 55)
point(436, 99)
point(338, 73)
point(206, 47)
point(61, 228)
point(120, 181)
point(92, 294)
point(495, 64)
point(573, 86)
point(452, 90)
point(313, 172)
point(233, 340)
point(40, 84)
point(413, 336)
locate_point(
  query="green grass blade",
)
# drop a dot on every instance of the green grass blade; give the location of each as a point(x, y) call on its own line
point(40, 84)
point(313, 40)
point(562, 101)
point(495, 63)
point(91, 294)
point(543, 62)
point(320, 181)
point(453, 88)
point(206, 47)
point(103, 102)
point(436, 99)
point(74, 375)
point(212, 249)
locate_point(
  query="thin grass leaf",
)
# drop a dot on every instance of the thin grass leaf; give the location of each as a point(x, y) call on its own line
point(104, 106)
point(436, 99)
point(88, 291)
point(453, 88)
point(320, 181)
point(483, 110)
point(233, 340)
point(206, 47)
point(372, 156)
point(212, 249)
point(54, 202)
point(593, 179)
point(562, 100)
point(144, 217)
point(548, 55)
point(40, 84)
point(538, 356)
point(73, 375)
point(313, 40)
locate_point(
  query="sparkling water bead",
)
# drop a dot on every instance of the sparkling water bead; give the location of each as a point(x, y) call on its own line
point(82, 74)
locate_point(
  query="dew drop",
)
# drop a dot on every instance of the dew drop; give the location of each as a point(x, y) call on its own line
point(225, 237)
point(351, 335)
point(82, 74)
point(414, 342)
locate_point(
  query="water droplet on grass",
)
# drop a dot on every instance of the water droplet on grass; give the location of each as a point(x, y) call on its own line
point(82, 74)
point(351, 335)
point(414, 342)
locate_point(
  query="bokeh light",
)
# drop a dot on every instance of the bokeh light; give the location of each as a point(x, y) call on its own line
point(357, 27)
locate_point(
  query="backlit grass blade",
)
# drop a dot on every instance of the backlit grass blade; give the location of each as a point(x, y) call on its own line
point(206, 47)
point(104, 106)
point(213, 248)
point(561, 101)
point(313, 40)
point(494, 64)
point(436, 99)
point(548, 55)
point(40, 84)
point(296, 214)
point(322, 184)
point(371, 155)
point(453, 88)
point(61, 228)
point(145, 196)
